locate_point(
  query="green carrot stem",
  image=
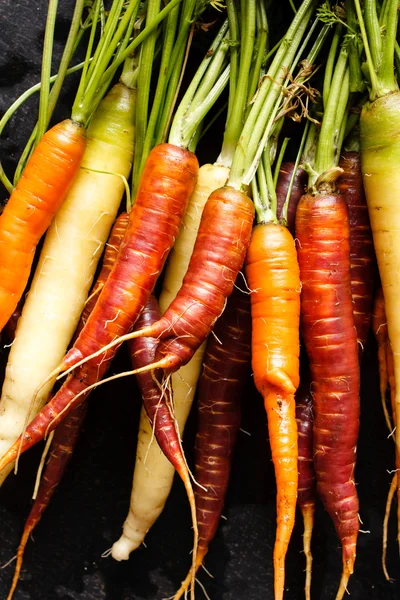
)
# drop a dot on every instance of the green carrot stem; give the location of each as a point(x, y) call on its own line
point(267, 209)
point(261, 45)
point(234, 51)
point(168, 44)
point(202, 109)
point(89, 106)
point(235, 119)
point(397, 58)
point(46, 70)
point(386, 70)
point(330, 64)
point(182, 113)
point(342, 112)
point(89, 49)
point(145, 72)
point(259, 121)
point(325, 157)
point(373, 31)
point(375, 83)
point(175, 69)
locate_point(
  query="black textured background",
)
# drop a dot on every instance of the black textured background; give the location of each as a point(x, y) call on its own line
point(64, 560)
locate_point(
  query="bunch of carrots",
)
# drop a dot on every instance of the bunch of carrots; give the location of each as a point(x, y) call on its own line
point(276, 259)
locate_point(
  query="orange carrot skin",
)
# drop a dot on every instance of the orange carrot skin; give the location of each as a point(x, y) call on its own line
point(155, 402)
point(362, 255)
point(305, 423)
point(322, 230)
point(167, 182)
point(32, 205)
point(218, 255)
point(273, 274)
point(282, 186)
point(110, 256)
point(225, 366)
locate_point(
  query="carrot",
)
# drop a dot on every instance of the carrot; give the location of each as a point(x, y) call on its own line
point(322, 230)
point(282, 187)
point(32, 205)
point(362, 255)
point(61, 451)
point(110, 256)
point(273, 276)
point(379, 328)
point(226, 363)
point(380, 151)
point(11, 325)
point(306, 498)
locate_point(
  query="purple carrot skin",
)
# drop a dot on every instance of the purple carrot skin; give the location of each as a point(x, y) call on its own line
point(363, 268)
point(322, 231)
point(61, 450)
point(110, 256)
point(282, 186)
point(218, 255)
point(306, 493)
point(158, 404)
point(226, 363)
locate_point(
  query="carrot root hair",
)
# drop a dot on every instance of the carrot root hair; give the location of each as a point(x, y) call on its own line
point(20, 559)
point(392, 490)
point(201, 552)
point(308, 511)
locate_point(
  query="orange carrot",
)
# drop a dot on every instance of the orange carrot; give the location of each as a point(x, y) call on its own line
point(273, 276)
point(33, 203)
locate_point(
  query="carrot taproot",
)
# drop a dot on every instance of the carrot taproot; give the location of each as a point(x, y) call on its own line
point(67, 264)
point(322, 230)
point(167, 182)
point(306, 497)
point(273, 276)
point(32, 205)
point(61, 451)
point(225, 365)
point(379, 328)
point(282, 187)
point(362, 254)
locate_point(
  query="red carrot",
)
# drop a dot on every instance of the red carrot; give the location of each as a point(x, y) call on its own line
point(306, 494)
point(282, 186)
point(362, 254)
point(221, 384)
point(322, 230)
point(110, 256)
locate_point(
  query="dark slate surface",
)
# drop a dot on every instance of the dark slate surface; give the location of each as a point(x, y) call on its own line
point(64, 561)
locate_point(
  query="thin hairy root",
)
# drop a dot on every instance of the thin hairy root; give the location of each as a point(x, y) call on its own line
point(392, 491)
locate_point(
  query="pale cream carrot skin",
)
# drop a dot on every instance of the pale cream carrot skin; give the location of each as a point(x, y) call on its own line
point(67, 264)
point(380, 159)
point(153, 475)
